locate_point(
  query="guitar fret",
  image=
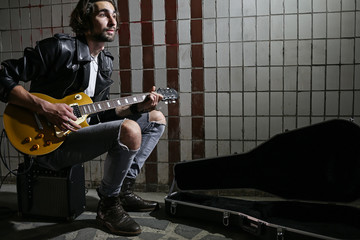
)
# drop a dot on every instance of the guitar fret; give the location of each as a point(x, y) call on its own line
point(82, 110)
point(109, 104)
point(91, 108)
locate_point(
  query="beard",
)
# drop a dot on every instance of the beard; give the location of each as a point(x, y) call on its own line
point(103, 36)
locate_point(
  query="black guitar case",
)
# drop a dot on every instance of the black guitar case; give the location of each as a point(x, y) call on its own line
point(314, 171)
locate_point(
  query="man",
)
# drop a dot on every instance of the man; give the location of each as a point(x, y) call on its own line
point(62, 65)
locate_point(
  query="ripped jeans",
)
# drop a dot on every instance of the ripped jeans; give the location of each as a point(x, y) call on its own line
point(90, 142)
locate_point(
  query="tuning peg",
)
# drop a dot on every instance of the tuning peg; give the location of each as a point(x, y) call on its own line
point(173, 101)
point(166, 102)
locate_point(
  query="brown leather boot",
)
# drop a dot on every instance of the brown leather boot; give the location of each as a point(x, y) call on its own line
point(111, 215)
point(132, 202)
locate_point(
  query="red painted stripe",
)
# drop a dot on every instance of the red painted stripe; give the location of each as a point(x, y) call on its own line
point(123, 8)
point(197, 74)
point(147, 38)
point(125, 58)
point(170, 9)
point(172, 59)
point(172, 53)
point(124, 34)
point(124, 51)
point(148, 58)
point(196, 8)
point(148, 79)
point(171, 32)
point(147, 33)
point(197, 57)
point(198, 149)
point(146, 10)
point(196, 31)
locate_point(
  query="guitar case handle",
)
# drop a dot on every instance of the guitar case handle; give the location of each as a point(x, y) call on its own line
point(251, 226)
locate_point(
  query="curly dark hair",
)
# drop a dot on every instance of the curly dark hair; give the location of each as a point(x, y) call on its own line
point(80, 19)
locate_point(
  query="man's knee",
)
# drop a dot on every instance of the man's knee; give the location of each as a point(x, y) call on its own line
point(130, 134)
point(157, 116)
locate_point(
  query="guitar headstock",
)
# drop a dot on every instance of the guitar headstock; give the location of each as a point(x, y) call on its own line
point(170, 95)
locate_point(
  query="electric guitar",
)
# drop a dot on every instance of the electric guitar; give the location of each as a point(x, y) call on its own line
point(33, 135)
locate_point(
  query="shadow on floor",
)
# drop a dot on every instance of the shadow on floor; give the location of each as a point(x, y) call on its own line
point(15, 227)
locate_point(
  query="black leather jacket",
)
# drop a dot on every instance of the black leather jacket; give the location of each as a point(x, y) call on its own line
point(58, 66)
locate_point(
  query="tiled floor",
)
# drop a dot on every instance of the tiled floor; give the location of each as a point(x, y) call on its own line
point(155, 225)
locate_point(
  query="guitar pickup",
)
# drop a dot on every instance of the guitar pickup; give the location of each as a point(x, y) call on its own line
point(76, 110)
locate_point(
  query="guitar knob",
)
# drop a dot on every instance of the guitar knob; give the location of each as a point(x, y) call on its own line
point(78, 97)
point(35, 147)
point(48, 143)
point(40, 135)
point(27, 139)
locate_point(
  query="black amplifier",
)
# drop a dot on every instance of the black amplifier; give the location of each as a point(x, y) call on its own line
point(46, 193)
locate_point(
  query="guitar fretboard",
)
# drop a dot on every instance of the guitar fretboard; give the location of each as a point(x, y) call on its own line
point(96, 107)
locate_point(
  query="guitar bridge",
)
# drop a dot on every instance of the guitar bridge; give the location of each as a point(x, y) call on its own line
point(76, 110)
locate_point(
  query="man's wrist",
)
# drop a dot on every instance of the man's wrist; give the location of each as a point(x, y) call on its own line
point(134, 109)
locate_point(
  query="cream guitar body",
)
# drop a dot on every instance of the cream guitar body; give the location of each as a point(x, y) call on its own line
point(31, 133)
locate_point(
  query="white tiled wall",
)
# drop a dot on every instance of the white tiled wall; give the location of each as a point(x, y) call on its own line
point(292, 63)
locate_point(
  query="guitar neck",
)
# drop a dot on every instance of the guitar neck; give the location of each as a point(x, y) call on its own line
point(96, 107)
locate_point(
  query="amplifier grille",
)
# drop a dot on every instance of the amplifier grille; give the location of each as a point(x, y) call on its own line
point(48, 193)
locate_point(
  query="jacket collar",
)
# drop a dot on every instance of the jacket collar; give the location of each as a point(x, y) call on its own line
point(83, 52)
